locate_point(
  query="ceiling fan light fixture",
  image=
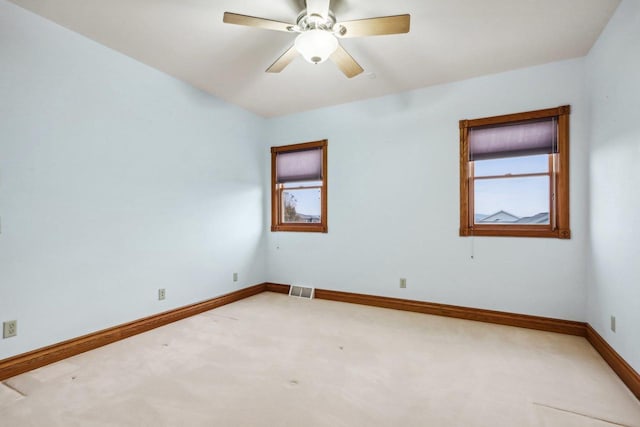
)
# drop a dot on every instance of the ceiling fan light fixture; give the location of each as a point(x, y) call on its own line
point(316, 46)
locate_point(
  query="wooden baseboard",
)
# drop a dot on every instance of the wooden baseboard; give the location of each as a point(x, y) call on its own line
point(278, 288)
point(620, 366)
point(489, 316)
point(34, 359)
point(627, 374)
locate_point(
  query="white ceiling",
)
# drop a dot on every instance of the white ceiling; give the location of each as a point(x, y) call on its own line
point(449, 40)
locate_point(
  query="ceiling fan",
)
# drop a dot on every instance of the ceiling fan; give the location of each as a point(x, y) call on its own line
point(318, 34)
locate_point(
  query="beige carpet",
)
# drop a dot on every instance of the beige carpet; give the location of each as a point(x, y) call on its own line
point(273, 360)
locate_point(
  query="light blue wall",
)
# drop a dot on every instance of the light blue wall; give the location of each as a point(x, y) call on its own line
point(115, 180)
point(613, 67)
point(394, 200)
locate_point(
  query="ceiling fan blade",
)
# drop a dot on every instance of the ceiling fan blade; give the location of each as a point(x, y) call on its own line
point(318, 7)
point(252, 21)
point(284, 60)
point(346, 63)
point(297, 5)
point(375, 26)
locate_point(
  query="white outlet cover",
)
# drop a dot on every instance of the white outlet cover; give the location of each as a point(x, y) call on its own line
point(9, 329)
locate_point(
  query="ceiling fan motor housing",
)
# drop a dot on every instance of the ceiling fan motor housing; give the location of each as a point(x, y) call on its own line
point(306, 22)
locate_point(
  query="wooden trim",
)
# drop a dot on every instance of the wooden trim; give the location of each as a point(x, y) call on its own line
point(558, 226)
point(493, 230)
point(553, 205)
point(562, 177)
point(276, 191)
point(627, 374)
point(37, 358)
point(466, 191)
point(275, 199)
point(301, 227)
point(277, 287)
point(517, 117)
point(325, 187)
point(548, 324)
point(299, 147)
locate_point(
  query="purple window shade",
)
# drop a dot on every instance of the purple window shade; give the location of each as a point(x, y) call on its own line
point(303, 165)
point(514, 140)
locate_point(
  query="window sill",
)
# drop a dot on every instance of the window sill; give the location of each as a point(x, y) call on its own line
point(307, 228)
point(515, 232)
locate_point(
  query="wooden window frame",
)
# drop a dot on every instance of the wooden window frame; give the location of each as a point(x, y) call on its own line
point(276, 191)
point(558, 226)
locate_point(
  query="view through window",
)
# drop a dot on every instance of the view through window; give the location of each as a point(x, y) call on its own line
point(302, 202)
point(514, 190)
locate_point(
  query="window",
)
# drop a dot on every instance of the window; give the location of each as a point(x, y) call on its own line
point(299, 187)
point(514, 175)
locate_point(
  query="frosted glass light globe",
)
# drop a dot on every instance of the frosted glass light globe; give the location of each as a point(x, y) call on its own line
point(316, 46)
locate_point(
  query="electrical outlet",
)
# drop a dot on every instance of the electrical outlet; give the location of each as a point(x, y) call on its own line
point(9, 328)
point(403, 283)
point(162, 294)
point(613, 323)
point(235, 277)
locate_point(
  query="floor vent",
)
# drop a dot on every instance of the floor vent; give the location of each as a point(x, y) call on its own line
point(301, 292)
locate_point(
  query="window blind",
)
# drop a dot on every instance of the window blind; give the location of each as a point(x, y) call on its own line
point(303, 165)
point(513, 140)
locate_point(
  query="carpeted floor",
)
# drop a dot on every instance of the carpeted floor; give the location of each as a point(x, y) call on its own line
point(274, 360)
